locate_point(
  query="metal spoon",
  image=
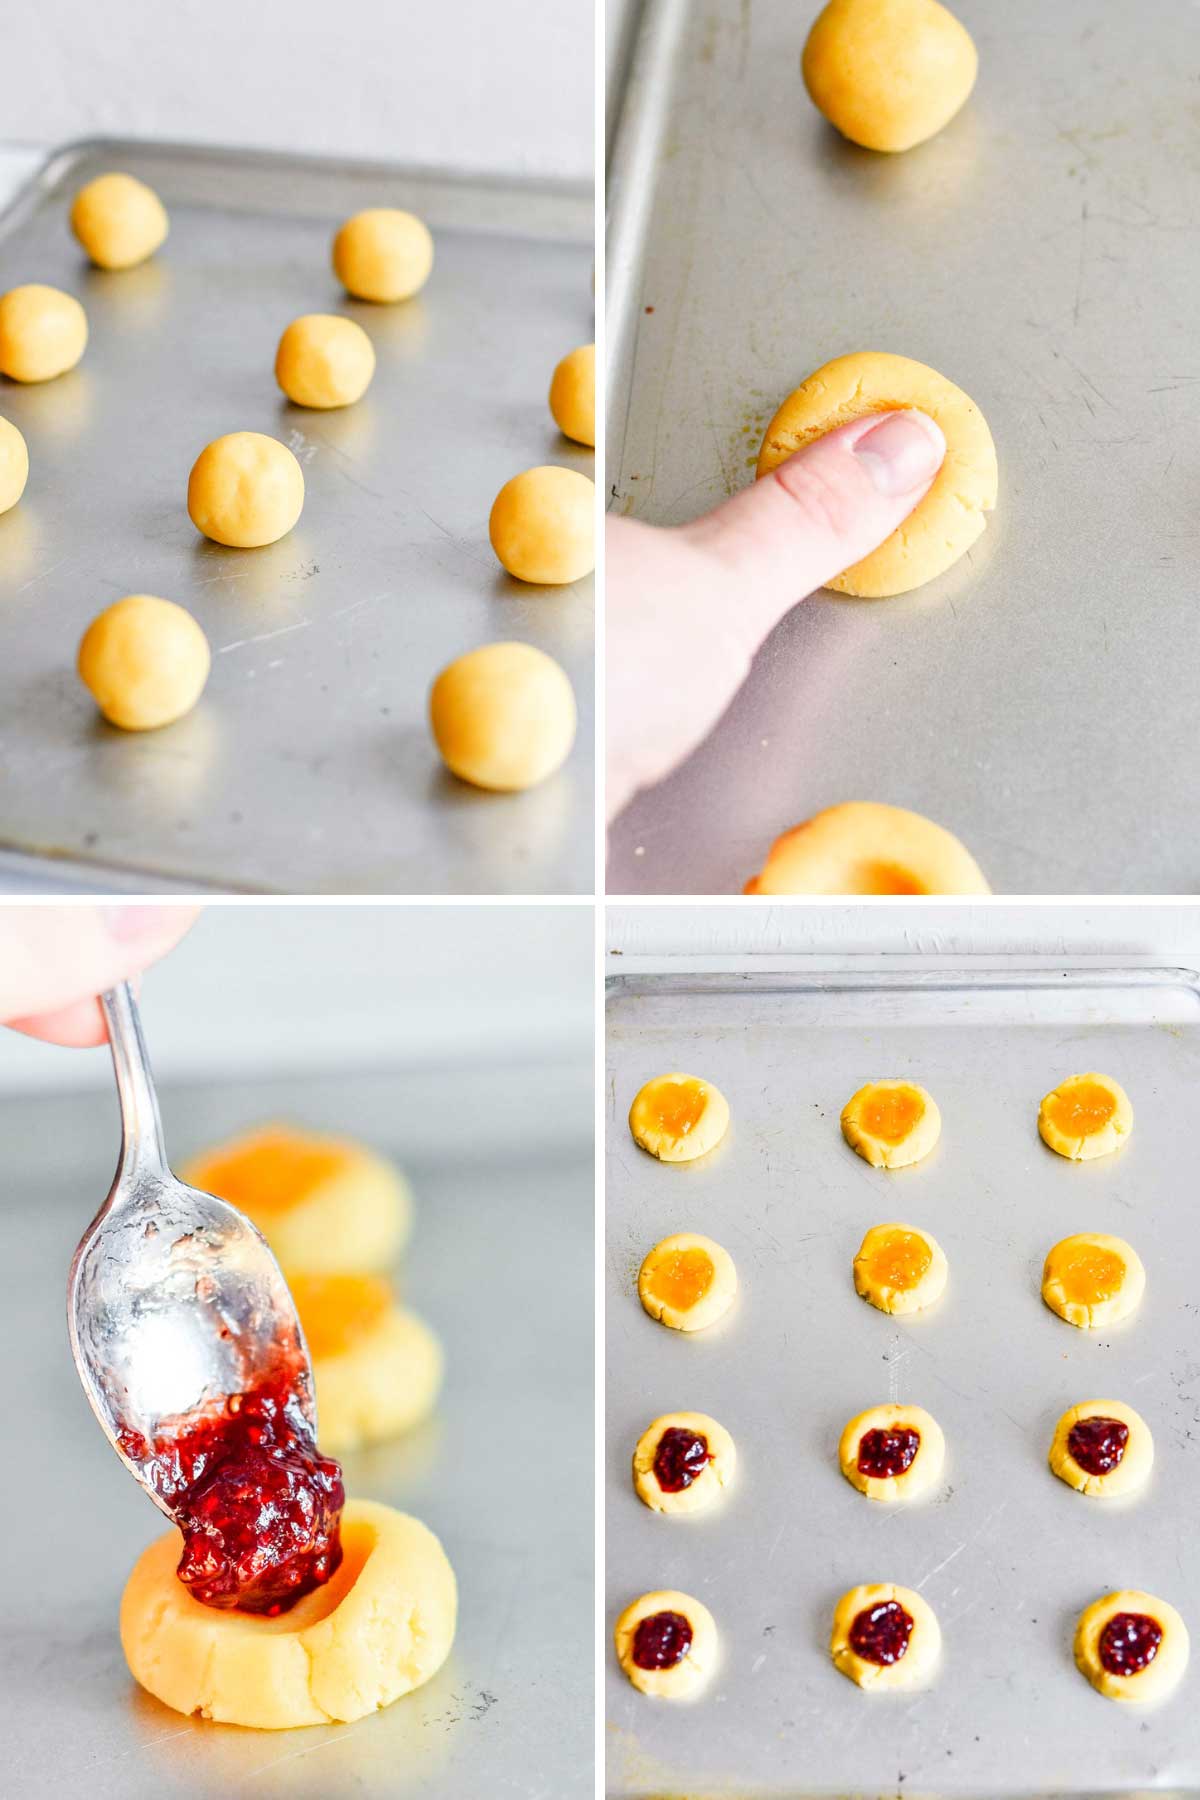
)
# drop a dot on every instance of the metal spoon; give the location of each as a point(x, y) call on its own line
point(174, 1299)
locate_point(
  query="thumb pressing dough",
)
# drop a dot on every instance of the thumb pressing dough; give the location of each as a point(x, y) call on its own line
point(888, 73)
point(119, 221)
point(951, 516)
point(14, 465)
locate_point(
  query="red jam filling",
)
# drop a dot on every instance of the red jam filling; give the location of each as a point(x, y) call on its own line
point(1129, 1643)
point(1098, 1444)
point(880, 1634)
point(661, 1641)
point(680, 1457)
point(886, 1453)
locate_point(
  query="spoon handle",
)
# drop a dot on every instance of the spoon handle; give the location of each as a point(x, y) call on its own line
point(142, 1148)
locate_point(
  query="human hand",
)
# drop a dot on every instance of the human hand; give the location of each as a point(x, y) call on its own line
point(55, 960)
point(687, 607)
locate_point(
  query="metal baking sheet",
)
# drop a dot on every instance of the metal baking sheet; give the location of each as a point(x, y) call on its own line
point(1006, 1555)
point(308, 764)
point(503, 1472)
point(1044, 253)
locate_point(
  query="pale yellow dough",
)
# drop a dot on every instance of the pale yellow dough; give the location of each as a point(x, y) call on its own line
point(1133, 1470)
point(377, 1367)
point(1093, 1279)
point(922, 1473)
point(324, 360)
point(688, 1675)
point(119, 221)
point(687, 1282)
point(503, 716)
point(919, 1661)
point(678, 1117)
point(705, 1489)
point(900, 1269)
point(888, 73)
point(944, 525)
point(43, 333)
point(245, 490)
point(573, 395)
point(383, 255)
point(14, 465)
point(382, 1626)
point(1085, 1116)
point(863, 847)
point(891, 1123)
point(543, 526)
point(1158, 1679)
point(144, 661)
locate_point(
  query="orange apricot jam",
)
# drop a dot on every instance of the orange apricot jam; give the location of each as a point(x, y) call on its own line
point(677, 1107)
point(899, 1261)
point(1090, 1275)
point(1081, 1108)
point(891, 1113)
point(680, 1278)
point(337, 1310)
point(270, 1171)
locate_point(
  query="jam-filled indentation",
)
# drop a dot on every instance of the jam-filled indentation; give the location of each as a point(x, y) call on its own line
point(1098, 1444)
point(661, 1641)
point(1091, 1275)
point(883, 1454)
point(880, 1634)
point(677, 1107)
point(681, 1456)
point(891, 1113)
point(681, 1278)
point(1080, 1108)
point(1129, 1643)
point(900, 1261)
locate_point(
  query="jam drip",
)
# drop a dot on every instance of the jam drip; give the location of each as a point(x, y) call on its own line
point(887, 1453)
point(662, 1640)
point(1129, 1643)
point(880, 1634)
point(680, 1457)
point(1098, 1444)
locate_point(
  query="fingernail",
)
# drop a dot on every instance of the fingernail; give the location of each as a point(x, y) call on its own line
point(128, 924)
point(901, 452)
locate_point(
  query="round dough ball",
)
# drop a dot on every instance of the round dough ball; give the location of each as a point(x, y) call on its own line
point(573, 395)
point(14, 465)
point(543, 526)
point(667, 1644)
point(377, 1367)
point(324, 360)
point(944, 525)
point(865, 848)
point(687, 1282)
point(119, 221)
point(885, 1636)
point(1132, 1647)
point(503, 717)
point(381, 1626)
point(1102, 1448)
point(888, 73)
point(1086, 1116)
point(1093, 1279)
point(383, 255)
point(43, 333)
point(881, 1440)
point(678, 1117)
point(245, 490)
point(891, 1123)
point(682, 1462)
point(900, 1269)
point(145, 662)
point(325, 1205)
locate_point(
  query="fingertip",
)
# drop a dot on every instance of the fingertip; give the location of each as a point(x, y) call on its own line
point(76, 1027)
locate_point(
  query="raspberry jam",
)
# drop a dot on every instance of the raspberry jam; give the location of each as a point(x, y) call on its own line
point(661, 1641)
point(680, 1457)
point(887, 1453)
point(1129, 1643)
point(1098, 1444)
point(258, 1506)
point(880, 1634)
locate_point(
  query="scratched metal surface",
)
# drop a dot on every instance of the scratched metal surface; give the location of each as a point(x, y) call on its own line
point(503, 1716)
point(308, 764)
point(1043, 252)
point(1006, 1555)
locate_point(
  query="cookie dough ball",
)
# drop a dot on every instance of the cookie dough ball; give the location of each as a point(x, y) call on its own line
point(944, 525)
point(862, 847)
point(892, 1452)
point(383, 255)
point(667, 1644)
point(245, 490)
point(885, 1636)
point(1132, 1647)
point(503, 717)
point(678, 1117)
point(119, 221)
point(325, 1205)
point(376, 1366)
point(14, 465)
point(144, 661)
point(573, 395)
point(1087, 1116)
point(381, 1626)
point(324, 360)
point(888, 73)
point(900, 1269)
point(1092, 1279)
point(687, 1282)
point(891, 1123)
point(543, 526)
point(43, 333)
point(1102, 1448)
point(682, 1462)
